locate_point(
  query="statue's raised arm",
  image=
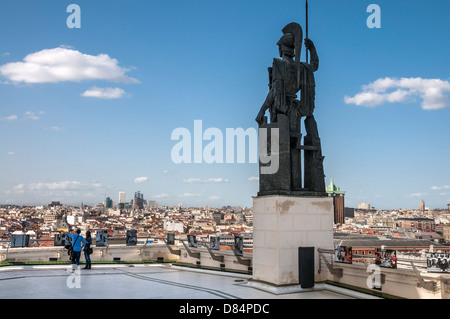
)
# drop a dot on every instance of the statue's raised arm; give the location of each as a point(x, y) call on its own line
point(314, 62)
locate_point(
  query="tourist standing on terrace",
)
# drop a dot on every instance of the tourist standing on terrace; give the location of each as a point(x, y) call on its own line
point(88, 250)
point(78, 242)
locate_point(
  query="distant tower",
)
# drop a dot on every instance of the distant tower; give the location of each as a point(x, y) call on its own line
point(108, 202)
point(422, 206)
point(338, 201)
point(138, 201)
point(138, 194)
point(122, 197)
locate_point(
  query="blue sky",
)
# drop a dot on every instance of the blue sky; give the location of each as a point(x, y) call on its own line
point(99, 119)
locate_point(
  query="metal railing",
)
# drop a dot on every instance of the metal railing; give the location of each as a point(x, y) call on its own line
point(195, 254)
point(200, 242)
point(410, 264)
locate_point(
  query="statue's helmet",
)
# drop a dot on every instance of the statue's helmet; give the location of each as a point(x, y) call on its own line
point(291, 41)
point(287, 40)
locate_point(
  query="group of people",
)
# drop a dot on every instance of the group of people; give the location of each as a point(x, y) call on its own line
point(343, 254)
point(438, 262)
point(78, 244)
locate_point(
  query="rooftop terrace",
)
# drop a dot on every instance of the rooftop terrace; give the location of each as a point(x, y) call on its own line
point(162, 271)
point(145, 281)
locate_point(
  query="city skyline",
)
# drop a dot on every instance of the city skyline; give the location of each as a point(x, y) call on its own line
point(88, 112)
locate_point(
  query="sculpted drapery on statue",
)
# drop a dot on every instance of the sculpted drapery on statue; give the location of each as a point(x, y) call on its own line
point(287, 77)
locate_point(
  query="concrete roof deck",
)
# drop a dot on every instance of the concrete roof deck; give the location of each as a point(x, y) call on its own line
point(147, 281)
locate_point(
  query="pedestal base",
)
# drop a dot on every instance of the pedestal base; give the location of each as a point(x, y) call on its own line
point(282, 224)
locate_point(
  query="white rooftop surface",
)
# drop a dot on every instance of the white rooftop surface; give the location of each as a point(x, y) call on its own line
point(147, 281)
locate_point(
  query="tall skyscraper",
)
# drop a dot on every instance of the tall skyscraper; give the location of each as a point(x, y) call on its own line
point(138, 194)
point(122, 197)
point(152, 204)
point(108, 202)
point(422, 206)
point(338, 202)
point(138, 201)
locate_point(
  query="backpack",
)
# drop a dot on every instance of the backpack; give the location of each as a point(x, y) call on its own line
point(70, 248)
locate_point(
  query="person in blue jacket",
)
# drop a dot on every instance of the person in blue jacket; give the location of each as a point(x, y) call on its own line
point(78, 242)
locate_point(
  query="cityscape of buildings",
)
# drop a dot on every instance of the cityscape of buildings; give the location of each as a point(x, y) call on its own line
point(43, 223)
point(150, 220)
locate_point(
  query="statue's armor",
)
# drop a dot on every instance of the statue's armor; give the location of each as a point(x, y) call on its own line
point(283, 79)
point(285, 85)
point(308, 89)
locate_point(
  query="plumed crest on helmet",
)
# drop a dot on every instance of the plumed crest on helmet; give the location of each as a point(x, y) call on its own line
point(296, 30)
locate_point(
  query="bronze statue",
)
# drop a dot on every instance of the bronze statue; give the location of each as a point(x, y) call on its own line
point(287, 77)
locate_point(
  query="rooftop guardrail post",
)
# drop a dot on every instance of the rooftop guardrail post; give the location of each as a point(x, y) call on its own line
point(245, 262)
point(427, 285)
point(192, 254)
point(339, 272)
point(172, 251)
point(215, 257)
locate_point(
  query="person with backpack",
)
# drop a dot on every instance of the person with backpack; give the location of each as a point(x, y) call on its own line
point(78, 242)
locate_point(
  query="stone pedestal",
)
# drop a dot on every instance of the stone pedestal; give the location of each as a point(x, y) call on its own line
point(282, 224)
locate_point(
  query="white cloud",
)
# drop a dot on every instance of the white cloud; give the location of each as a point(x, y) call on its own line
point(140, 179)
point(206, 181)
point(253, 179)
point(163, 195)
point(31, 115)
point(440, 187)
point(55, 128)
point(18, 189)
point(63, 191)
point(10, 118)
point(11, 153)
point(190, 195)
point(64, 64)
point(432, 92)
point(104, 93)
point(418, 194)
point(65, 185)
point(66, 46)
